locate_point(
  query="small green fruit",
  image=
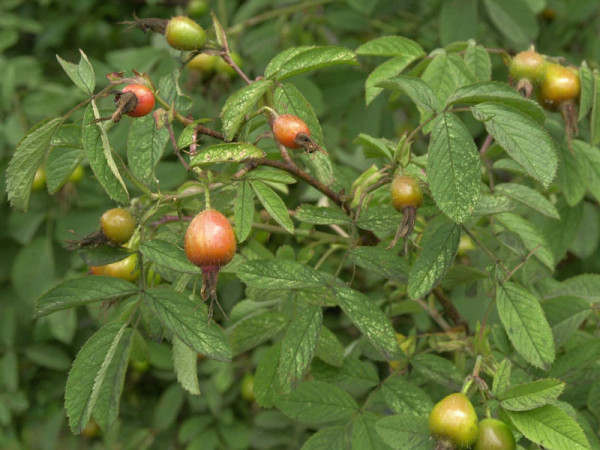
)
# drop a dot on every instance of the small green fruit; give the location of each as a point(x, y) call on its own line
point(183, 33)
point(453, 419)
point(247, 387)
point(39, 180)
point(494, 435)
point(203, 63)
point(528, 64)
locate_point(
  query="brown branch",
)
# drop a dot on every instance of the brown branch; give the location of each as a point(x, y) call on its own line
point(449, 308)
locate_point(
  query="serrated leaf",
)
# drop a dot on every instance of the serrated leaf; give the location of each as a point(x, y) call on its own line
point(167, 254)
point(529, 197)
point(405, 432)
point(438, 369)
point(384, 262)
point(226, 153)
point(499, 93)
point(492, 204)
point(81, 74)
point(391, 46)
point(99, 154)
point(253, 331)
point(586, 95)
point(306, 59)
point(384, 72)
point(364, 435)
point(404, 397)
point(522, 138)
point(171, 92)
point(189, 322)
point(417, 89)
point(565, 314)
point(89, 371)
point(243, 211)
point(330, 438)
point(514, 19)
point(265, 380)
point(576, 360)
point(279, 274)
point(453, 168)
point(270, 174)
point(321, 215)
point(329, 348)
point(595, 116)
point(574, 175)
point(61, 162)
point(380, 219)
point(274, 205)
point(239, 104)
point(145, 146)
point(298, 347)
point(585, 286)
point(588, 162)
point(185, 362)
point(369, 319)
point(439, 248)
point(551, 427)
point(525, 324)
point(446, 73)
point(315, 402)
point(478, 61)
point(376, 146)
point(533, 239)
point(26, 159)
point(82, 291)
point(501, 378)
point(526, 396)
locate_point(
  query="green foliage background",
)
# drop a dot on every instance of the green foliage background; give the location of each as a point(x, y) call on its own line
point(36, 355)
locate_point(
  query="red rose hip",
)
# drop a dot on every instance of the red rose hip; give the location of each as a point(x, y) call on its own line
point(145, 100)
point(290, 131)
point(210, 240)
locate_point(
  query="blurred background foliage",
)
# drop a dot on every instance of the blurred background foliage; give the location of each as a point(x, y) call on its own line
point(36, 356)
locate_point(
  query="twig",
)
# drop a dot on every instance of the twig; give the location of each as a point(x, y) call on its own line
point(521, 264)
point(449, 307)
point(434, 315)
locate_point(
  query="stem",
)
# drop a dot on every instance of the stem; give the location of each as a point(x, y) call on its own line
point(434, 315)
point(449, 307)
point(490, 253)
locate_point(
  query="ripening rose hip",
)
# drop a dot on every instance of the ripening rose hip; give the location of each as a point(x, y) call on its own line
point(559, 84)
point(287, 128)
point(494, 435)
point(528, 64)
point(145, 100)
point(405, 191)
point(453, 419)
point(126, 269)
point(210, 240)
point(117, 225)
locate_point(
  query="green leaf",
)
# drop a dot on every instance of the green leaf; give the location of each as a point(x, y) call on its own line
point(595, 116)
point(574, 175)
point(330, 438)
point(586, 96)
point(458, 21)
point(81, 74)
point(145, 147)
point(533, 239)
point(551, 427)
point(526, 396)
point(453, 167)
point(316, 402)
point(364, 434)
point(279, 274)
point(99, 154)
point(244, 211)
point(226, 153)
point(492, 204)
point(529, 197)
point(100, 256)
point(522, 138)
point(270, 174)
point(418, 91)
point(384, 72)
point(588, 162)
point(380, 219)
point(321, 215)
point(499, 93)
point(405, 432)
point(391, 46)
point(185, 361)
point(501, 378)
point(329, 348)
point(585, 286)
point(305, 59)
point(384, 262)
point(82, 291)
point(106, 410)
point(265, 380)
point(478, 61)
point(375, 146)
point(369, 319)
point(26, 159)
point(276, 207)
point(298, 347)
point(89, 372)
point(514, 19)
point(565, 314)
point(440, 245)
point(438, 369)
point(525, 324)
point(167, 254)
point(253, 331)
point(239, 104)
point(171, 92)
point(446, 73)
point(167, 408)
point(576, 360)
point(61, 162)
point(404, 397)
point(189, 322)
